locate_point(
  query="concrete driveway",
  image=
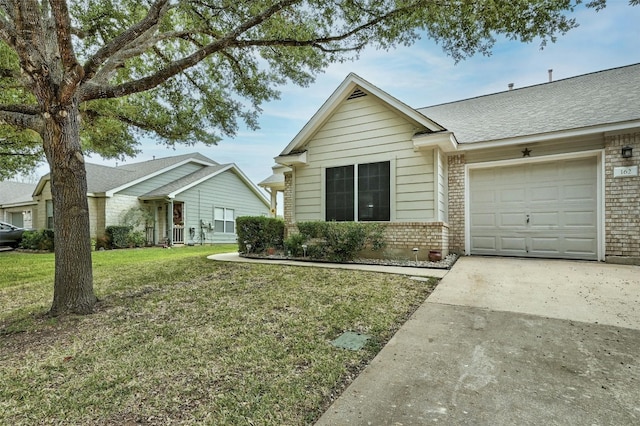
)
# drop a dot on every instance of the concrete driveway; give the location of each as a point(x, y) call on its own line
point(510, 341)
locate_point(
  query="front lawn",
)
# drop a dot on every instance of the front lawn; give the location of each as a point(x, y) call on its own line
point(179, 339)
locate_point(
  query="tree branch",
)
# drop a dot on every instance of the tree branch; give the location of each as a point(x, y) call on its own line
point(21, 119)
point(73, 72)
point(157, 10)
point(95, 91)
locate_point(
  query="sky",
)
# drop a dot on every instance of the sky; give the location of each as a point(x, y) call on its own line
point(423, 75)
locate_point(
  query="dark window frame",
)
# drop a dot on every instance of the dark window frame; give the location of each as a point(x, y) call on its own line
point(367, 184)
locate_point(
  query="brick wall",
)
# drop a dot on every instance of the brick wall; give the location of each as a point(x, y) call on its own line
point(622, 201)
point(403, 237)
point(456, 203)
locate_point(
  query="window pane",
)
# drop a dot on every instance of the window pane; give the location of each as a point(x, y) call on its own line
point(339, 193)
point(373, 191)
point(230, 223)
point(218, 226)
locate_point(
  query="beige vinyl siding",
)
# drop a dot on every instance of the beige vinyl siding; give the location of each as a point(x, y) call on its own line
point(365, 130)
point(162, 179)
point(225, 190)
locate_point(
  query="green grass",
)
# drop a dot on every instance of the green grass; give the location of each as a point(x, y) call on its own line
point(179, 339)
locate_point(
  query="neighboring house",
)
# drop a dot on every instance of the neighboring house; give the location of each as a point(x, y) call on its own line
point(16, 203)
point(549, 170)
point(190, 199)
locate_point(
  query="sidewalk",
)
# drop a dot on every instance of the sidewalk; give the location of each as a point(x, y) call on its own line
point(400, 270)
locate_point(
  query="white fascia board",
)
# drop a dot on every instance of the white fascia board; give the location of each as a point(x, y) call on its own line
point(298, 159)
point(446, 141)
point(344, 89)
point(110, 192)
point(542, 137)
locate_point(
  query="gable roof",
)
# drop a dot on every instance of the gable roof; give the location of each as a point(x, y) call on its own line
point(180, 185)
point(599, 101)
point(16, 193)
point(107, 180)
point(356, 86)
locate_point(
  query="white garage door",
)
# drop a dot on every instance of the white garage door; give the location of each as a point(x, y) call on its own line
point(544, 209)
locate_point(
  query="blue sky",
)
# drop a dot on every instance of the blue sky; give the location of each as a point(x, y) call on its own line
point(422, 75)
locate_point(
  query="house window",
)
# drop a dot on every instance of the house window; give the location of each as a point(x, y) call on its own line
point(224, 220)
point(372, 192)
point(339, 190)
point(49, 210)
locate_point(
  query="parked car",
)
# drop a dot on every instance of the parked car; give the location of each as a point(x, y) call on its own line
point(10, 235)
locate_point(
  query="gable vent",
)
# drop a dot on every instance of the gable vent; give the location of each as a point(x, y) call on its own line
point(356, 94)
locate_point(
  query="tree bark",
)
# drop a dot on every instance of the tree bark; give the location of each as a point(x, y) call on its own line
point(73, 286)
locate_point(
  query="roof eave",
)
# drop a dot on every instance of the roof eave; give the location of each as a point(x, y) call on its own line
point(298, 159)
point(446, 141)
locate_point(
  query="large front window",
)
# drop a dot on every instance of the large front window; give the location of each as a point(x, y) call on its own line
point(368, 200)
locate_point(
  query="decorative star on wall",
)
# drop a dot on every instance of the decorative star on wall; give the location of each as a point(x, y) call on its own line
point(526, 152)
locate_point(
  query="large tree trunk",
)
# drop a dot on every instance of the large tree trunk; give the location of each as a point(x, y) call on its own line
point(73, 288)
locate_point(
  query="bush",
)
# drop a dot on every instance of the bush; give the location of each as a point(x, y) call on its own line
point(38, 240)
point(136, 239)
point(293, 245)
point(259, 231)
point(118, 235)
point(340, 241)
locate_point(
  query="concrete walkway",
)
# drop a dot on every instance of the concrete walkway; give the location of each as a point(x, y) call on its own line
point(401, 270)
point(509, 341)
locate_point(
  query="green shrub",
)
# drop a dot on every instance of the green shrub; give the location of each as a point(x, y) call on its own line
point(340, 241)
point(293, 244)
point(118, 235)
point(38, 240)
point(259, 231)
point(136, 239)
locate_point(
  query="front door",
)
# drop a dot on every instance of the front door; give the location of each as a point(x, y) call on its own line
point(178, 223)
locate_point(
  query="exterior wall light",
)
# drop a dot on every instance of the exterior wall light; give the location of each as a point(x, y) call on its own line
point(627, 152)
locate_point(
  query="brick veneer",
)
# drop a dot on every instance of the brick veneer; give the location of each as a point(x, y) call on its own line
point(456, 203)
point(403, 237)
point(290, 226)
point(622, 201)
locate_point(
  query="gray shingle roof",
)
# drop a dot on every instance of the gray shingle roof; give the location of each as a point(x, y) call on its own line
point(604, 97)
point(184, 181)
point(105, 178)
point(16, 192)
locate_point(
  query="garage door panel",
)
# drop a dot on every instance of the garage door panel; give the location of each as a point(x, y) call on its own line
point(558, 197)
point(584, 192)
point(483, 220)
point(485, 243)
point(513, 244)
point(512, 195)
point(580, 219)
point(545, 220)
point(544, 194)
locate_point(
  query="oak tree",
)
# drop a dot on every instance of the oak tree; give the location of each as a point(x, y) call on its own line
point(92, 76)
